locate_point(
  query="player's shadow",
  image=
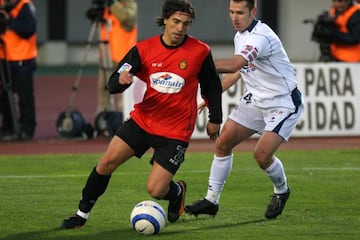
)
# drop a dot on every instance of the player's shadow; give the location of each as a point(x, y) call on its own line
point(75, 234)
point(213, 226)
point(120, 234)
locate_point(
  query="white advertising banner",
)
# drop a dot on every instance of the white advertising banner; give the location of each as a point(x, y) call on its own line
point(332, 99)
point(331, 94)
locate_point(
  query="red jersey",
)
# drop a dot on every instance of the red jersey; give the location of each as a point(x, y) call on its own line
point(172, 76)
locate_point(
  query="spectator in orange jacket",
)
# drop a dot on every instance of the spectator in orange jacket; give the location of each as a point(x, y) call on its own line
point(19, 52)
point(345, 35)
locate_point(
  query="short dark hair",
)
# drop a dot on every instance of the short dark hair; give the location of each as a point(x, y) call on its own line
point(172, 6)
point(250, 3)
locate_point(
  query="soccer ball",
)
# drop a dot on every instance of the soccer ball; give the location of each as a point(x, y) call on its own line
point(148, 217)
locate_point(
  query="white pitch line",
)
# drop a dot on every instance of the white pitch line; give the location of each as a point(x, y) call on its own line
point(332, 169)
point(184, 172)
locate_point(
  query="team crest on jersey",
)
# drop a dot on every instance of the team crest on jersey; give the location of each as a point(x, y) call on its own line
point(166, 82)
point(183, 64)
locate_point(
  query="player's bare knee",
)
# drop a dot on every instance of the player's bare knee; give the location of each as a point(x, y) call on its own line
point(154, 193)
point(263, 159)
point(106, 166)
point(222, 148)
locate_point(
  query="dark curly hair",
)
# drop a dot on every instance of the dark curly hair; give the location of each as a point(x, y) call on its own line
point(172, 6)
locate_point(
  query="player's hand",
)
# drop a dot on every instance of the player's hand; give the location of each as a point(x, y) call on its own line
point(213, 130)
point(125, 78)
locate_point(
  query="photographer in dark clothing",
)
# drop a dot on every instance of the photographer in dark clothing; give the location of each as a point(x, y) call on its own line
point(18, 53)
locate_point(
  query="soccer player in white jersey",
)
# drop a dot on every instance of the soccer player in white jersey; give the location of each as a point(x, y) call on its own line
point(271, 107)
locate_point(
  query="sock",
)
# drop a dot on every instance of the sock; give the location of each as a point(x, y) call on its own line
point(94, 188)
point(220, 170)
point(82, 214)
point(173, 192)
point(277, 175)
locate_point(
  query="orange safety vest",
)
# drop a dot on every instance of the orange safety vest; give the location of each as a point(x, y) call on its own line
point(342, 52)
point(17, 48)
point(120, 41)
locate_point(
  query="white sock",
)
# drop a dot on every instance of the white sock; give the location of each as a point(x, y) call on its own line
point(277, 175)
point(82, 214)
point(220, 170)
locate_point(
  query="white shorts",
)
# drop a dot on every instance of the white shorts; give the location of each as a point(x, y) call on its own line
point(280, 119)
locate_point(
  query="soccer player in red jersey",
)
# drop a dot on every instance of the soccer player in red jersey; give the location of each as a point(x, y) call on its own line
point(172, 65)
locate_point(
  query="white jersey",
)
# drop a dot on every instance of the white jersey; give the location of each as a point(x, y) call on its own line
point(269, 72)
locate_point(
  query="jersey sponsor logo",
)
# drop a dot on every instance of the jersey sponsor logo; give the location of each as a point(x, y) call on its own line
point(166, 82)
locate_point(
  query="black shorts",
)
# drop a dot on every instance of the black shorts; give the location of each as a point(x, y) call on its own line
point(169, 153)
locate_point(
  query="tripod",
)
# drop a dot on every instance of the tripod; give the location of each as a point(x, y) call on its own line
point(104, 53)
point(6, 80)
point(71, 123)
point(325, 54)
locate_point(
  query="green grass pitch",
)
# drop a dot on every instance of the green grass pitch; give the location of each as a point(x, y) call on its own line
point(38, 192)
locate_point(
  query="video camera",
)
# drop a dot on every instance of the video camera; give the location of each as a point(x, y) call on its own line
point(323, 26)
point(96, 10)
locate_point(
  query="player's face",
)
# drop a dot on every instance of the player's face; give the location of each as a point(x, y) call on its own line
point(240, 15)
point(176, 26)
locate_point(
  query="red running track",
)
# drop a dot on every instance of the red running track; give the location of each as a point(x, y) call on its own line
point(53, 95)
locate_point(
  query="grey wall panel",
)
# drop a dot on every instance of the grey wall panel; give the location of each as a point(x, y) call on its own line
point(212, 23)
point(41, 18)
point(78, 26)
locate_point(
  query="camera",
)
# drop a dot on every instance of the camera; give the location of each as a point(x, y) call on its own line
point(96, 10)
point(323, 27)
